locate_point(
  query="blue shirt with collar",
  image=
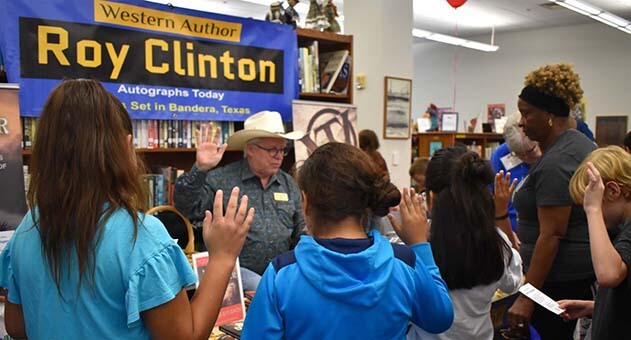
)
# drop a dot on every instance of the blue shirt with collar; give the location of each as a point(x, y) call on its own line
point(278, 215)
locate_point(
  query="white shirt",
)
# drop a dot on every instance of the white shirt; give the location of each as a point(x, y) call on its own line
point(472, 307)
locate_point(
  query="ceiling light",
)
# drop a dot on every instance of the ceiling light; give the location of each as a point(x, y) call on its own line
point(420, 33)
point(448, 39)
point(583, 6)
point(596, 14)
point(614, 19)
point(265, 3)
point(575, 9)
point(480, 46)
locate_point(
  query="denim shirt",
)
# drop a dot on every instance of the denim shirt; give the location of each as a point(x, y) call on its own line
point(278, 218)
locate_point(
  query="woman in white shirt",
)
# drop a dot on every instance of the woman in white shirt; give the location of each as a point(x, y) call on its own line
point(474, 256)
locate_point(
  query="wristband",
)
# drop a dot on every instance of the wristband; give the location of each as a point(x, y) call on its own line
point(501, 217)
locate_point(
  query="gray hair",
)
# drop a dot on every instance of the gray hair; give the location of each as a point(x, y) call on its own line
point(514, 136)
point(251, 141)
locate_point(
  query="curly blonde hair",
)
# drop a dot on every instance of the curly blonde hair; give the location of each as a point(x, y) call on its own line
point(558, 80)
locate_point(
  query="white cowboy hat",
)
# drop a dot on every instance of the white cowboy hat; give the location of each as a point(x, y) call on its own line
point(264, 124)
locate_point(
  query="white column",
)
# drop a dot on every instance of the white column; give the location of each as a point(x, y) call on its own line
point(382, 46)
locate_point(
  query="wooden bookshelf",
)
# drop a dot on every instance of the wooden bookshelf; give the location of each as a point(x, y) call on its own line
point(328, 42)
point(423, 141)
point(181, 158)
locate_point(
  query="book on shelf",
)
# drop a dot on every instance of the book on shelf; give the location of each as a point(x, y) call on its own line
point(331, 64)
point(165, 134)
point(160, 185)
point(340, 85)
point(308, 68)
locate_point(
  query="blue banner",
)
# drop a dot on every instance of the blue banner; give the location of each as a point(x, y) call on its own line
point(161, 62)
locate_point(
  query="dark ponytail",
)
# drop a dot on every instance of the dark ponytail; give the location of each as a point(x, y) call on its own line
point(467, 247)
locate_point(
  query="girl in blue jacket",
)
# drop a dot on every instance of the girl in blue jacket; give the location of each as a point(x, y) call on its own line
point(341, 281)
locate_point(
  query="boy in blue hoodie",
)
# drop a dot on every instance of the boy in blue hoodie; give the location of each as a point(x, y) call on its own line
point(342, 282)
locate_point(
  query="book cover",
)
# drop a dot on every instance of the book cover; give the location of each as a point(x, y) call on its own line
point(12, 200)
point(331, 64)
point(233, 329)
point(233, 306)
point(340, 85)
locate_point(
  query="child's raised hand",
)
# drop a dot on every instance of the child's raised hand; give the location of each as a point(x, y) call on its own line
point(594, 190)
point(413, 228)
point(224, 234)
point(503, 192)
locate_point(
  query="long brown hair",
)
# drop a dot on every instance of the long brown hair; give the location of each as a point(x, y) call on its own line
point(82, 170)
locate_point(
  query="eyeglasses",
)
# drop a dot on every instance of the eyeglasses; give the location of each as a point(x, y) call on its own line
point(273, 152)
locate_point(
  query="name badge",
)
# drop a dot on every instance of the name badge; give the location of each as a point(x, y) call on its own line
point(510, 161)
point(281, 196)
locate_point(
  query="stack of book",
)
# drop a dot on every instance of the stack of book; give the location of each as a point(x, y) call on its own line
point(326, 72)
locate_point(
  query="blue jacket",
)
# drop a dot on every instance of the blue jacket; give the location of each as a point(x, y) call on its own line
point(349, 289)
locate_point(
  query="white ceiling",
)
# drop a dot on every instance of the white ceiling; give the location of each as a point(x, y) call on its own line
point(478, 17)
point(475, 17)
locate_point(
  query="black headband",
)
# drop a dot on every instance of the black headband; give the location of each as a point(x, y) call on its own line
point(544, 101)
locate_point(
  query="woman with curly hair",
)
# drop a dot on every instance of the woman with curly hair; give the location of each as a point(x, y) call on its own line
point(551, 227)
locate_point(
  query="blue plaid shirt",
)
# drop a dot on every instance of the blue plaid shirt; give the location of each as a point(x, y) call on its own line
point(278, 219)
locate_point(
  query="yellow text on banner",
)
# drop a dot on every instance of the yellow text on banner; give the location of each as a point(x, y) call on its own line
point(155, 20)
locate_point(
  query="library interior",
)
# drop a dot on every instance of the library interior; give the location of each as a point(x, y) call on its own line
point(264, 169)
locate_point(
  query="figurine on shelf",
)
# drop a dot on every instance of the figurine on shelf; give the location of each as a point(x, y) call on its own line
point(472, 124)
point(432, 114)
point(315, 17)
point(275, 13)
point(291, 16)
point(330, 11)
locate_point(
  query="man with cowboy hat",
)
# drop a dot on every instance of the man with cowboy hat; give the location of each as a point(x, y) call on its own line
point(272, 192)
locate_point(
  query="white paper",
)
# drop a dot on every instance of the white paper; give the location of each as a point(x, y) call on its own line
point(542, 299)
point(423, 124)
point(499, 124)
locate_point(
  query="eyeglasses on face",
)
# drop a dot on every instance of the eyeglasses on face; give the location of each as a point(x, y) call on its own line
point(273, 152)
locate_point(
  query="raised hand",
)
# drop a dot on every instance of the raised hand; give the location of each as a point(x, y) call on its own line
point(503, 192)
point(594, 190)
point(413, 228)
point(224, 234)
point(209, 152)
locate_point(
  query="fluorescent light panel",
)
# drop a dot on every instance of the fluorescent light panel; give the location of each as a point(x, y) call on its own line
point(596, 14)
point(583, 6)
point(448, 39)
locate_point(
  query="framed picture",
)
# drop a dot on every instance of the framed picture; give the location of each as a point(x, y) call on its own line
point(439, 115)
point(610, 130)
point(495, 111)
point(449, 121)
point(433, 146)
point(397, 108)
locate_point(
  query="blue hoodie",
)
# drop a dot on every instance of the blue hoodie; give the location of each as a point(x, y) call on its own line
point(349, 289)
